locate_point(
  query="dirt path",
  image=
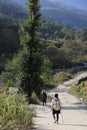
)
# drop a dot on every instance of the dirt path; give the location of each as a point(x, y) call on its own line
point(74, 114)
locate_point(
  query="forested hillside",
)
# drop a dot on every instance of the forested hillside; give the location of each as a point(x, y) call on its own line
point(32, 50)
point(9, 40)
point(10, 16)
point(69, 15)
point(12, 10)
point(62, 45)
point(65, 46)
point(59, 11)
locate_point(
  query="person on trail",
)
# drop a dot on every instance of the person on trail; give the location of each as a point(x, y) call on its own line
point(43, 97)
point(56, 107)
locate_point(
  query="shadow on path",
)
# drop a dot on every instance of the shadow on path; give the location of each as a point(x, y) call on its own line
point(74, 107)
point(81, 125)
point(35, 128)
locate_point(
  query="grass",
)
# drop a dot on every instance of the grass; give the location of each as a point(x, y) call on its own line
point(79, 90)
point(15, 112)
point(60, 77)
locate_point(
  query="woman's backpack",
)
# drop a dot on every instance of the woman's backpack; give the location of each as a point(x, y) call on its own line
point(56, 105)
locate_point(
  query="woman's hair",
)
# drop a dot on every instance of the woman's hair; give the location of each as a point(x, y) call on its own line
point(56, 95)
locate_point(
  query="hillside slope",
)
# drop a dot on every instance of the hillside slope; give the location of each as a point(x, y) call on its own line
point(11, 10)
point(64, 13)
point(58, 11)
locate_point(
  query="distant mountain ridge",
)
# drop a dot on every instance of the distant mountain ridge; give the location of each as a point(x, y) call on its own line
point(66, 14)
point(58, 11)
point(80, 4)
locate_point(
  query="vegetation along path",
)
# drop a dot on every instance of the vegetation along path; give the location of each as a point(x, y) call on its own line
point(73, 115)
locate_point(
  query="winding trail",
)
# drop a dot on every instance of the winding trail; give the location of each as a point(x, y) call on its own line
point(73, 115)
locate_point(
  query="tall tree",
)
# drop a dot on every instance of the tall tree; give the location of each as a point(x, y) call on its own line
point(31, 61)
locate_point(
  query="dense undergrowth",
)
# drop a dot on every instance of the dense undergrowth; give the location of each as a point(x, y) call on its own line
point(79, 90)
point(60, 77)
point(15, 112)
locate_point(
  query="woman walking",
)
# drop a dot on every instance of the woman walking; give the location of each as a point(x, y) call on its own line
point(56, 106)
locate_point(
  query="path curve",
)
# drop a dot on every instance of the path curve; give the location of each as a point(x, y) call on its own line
point(73, 116)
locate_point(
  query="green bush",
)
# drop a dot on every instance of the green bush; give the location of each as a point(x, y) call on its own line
point(34, 96)
point(79, 90)
point(8, 84)
point(72, 90)
point(14, 112)
point(61, 77)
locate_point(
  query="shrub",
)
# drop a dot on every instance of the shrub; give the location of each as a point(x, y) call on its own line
point(14, 112)
point(33, 99)
point(72, 90)
point(8, 84)
point(61, 77)
point(79, 90)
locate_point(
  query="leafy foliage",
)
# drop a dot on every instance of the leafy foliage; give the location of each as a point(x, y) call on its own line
point(61, 47)
point(12, 71)
point(80, 89)
point(61, 77)
point(9, 41)
point(64, 46)
point(31, 61)
point(47, 74)
point(15, 113)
